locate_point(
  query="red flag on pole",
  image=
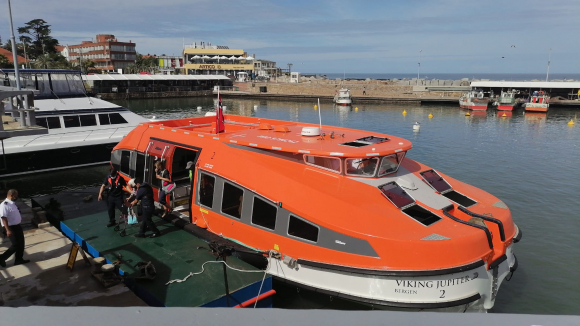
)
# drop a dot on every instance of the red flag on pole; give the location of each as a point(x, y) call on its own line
point(219, 125)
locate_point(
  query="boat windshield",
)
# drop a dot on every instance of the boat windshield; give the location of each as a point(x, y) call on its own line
point(390, 163)
point(436, 181)
point(362, 167)
point(396, 194)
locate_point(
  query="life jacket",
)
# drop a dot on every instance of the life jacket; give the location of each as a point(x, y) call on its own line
point(116, 181)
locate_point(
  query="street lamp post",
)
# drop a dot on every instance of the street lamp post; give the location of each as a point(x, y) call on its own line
point(549, 57)
point(419, 66)
point(14, 54)
point(290, 68)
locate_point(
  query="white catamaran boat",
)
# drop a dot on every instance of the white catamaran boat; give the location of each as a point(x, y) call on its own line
point(343, 97)
point(82, 130)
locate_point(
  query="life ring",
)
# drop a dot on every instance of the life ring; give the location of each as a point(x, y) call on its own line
point(541, 92)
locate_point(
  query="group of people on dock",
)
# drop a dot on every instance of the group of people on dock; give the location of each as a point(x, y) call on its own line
point(139, 191)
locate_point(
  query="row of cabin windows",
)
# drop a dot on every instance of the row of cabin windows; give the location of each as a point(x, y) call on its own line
point(85, 120)
point(263, 213)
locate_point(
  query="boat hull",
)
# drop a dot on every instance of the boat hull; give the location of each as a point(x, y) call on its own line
point(535, 107)
point(343, 102)
point(473, 286)
point(470, 105)
point(56, 159)
point(506, 107)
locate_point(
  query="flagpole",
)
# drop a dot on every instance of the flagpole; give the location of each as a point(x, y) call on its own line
point(319, 116)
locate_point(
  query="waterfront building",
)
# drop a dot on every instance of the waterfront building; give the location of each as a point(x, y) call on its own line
point(216, 60)
point(266, 68)
point(145, 83)
point(168, 63)
point(106, 52)
point(10, 57)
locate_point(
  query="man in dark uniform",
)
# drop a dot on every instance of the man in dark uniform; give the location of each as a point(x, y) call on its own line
point(145, 195)
point(116, 183)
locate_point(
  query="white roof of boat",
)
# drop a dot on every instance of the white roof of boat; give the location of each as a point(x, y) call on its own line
point(526, 84)
point(152, 77)
point(76, 103)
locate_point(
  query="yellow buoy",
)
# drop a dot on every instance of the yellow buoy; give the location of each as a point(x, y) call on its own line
point(430, 116)
point(404, 112)
point(503, 115)
point(571, 122)
point(467, 114)
point(356, 108)
point(315, 106)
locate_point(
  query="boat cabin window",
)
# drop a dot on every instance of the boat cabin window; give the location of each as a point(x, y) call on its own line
point(104, 119)
point(116, 118)
point(111, 119)
point(436, 181)
point(49, 122)
point(362, 167)
point(71, 121)
point(232, 200)
point(390, 163)
point(324, 162)
point(88, 120)
point(397, 195)
point(302, 229)
point(264, 214)
point(125, 160)
point(206, 186)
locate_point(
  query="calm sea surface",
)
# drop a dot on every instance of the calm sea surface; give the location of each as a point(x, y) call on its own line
point(530, 161)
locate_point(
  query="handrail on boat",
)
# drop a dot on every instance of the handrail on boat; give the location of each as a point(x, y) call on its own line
point(486, 218)
point(487, 233)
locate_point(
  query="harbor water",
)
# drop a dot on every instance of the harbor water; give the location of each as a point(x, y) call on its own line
point(530, 161)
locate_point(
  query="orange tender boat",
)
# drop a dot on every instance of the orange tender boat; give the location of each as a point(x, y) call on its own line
point(340, 211)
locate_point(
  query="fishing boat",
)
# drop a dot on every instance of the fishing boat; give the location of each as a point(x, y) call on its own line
point(539, 101)
point(343, 97)
point(82, 130)
point(507, 100)
point(339, 211)
point(474, 100)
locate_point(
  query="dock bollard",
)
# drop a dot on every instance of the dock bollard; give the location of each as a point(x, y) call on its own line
point(99, 262)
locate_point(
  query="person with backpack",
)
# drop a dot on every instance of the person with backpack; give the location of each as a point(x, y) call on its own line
point(116, 183)
point(162, 174)
point(145, 195)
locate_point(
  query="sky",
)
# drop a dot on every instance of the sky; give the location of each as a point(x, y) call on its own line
point(333, 36)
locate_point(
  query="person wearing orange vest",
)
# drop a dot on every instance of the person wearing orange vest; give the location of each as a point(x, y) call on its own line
point(116, 183)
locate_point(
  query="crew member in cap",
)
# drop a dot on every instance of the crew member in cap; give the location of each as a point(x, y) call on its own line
point(10, 219)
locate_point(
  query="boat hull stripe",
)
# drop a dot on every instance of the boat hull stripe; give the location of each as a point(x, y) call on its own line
point(401, 273)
